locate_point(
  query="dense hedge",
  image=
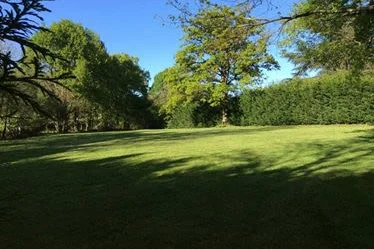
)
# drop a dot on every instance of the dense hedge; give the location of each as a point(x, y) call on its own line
point(198, 115)
point(191, 115)
point(328, 99)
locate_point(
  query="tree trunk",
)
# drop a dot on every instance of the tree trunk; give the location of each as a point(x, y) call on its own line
point(225, 116)
point(5, 128)
point(76, 122)
point(56, 126)
point(225, 110)
point(3, 134)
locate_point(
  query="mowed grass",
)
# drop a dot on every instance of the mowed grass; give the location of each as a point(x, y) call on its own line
point(256, 187)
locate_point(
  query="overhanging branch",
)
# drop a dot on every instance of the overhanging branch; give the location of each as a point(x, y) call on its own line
point(366, 10)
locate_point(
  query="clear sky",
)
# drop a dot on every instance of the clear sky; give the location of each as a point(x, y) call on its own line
point(139, 28)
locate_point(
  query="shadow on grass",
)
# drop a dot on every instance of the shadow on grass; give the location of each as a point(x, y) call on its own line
point(118, 203)
point(349, 153)
point(35, 147)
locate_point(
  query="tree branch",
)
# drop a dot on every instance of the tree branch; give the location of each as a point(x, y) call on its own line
point(366, 10)
point(18, 20)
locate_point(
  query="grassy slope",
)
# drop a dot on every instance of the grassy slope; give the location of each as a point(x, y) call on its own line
point(259, 187)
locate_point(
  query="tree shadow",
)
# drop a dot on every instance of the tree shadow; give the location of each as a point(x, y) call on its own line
point(331, 155)
point(121, 202)
point(34, 147)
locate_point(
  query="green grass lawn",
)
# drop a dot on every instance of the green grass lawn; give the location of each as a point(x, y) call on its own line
point(256, 187)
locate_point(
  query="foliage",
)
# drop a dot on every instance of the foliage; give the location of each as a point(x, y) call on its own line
point(85, 55)
point(18, 119)
point(166, 98)
point(170, 90)
point(319, 34)
point(159, 83)
point(329, 99)
point(184, 116)
point(331, 38)
point(83, 50)
point(126, 85)
point(19, 74)
point(194, 114)
point(182, 108)
point(109, 90)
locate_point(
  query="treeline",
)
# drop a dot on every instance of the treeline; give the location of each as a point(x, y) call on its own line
point(107, 92)
point(337, 98)
point(66, 81)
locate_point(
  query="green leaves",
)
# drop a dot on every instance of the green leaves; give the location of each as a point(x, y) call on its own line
point(114, 86)
point(82, 49)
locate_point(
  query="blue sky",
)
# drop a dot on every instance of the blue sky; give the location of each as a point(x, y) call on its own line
point(138, 27)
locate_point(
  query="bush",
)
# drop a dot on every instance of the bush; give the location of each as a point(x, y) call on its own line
point(329, 99)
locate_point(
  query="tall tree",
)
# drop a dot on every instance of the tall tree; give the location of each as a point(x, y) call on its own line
point(126, 89)
point(86, 56)
point(221, 53)
point(113, 85)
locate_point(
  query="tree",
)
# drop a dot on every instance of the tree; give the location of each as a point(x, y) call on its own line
point(18, 73)
point(126, 88)
point(86, 56)
point(112, 87)
point(168, 90)
point(220, 54)
point(83, 51)
point(331, 39)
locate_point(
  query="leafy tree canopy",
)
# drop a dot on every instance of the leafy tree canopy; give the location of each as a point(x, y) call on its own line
point(114, 82)
point(171, 88)
point(126, 86)
point(82, 49)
